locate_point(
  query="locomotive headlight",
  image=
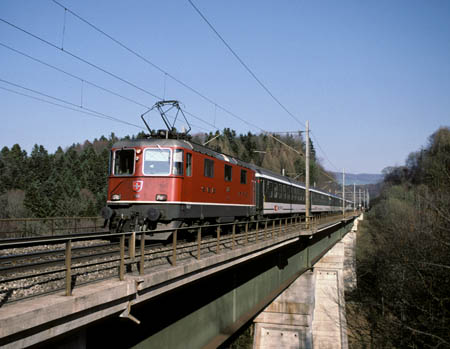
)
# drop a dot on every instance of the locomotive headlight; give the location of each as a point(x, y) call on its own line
point(161, 197)
point(115, 197)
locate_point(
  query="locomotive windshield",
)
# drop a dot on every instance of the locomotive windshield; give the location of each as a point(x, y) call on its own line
point(123, 162)
point(156, 161)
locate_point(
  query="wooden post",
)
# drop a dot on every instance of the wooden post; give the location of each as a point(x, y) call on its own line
point(218, 240)
point(199, 241)
point(122, 258)
point(233, 236)
point(132, 245)
point(141, 264)
point(174, 250)
point(246, 233)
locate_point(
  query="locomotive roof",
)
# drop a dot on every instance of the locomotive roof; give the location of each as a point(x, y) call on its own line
point(128, 143)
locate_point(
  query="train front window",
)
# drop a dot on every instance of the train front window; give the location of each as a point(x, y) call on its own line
point(156, 161)
point(123, 162)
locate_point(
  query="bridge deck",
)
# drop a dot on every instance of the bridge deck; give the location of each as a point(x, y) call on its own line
point(36, 320)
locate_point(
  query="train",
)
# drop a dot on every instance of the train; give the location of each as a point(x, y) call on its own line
point(166, 181)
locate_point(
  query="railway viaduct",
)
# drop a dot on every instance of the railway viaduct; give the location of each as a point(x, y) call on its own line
point(289, 285)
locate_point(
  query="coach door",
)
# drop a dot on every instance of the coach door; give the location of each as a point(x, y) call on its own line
point(259, 193)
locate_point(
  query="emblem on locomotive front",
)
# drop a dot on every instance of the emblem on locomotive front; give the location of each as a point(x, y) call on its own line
point(138, 185)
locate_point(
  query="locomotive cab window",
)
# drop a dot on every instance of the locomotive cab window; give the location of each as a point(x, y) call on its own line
point(156, 161)
point(243, 177)
point(228, 173)
point(188, 164)
point(123, 162)
point(209, 168)
point(177, 168)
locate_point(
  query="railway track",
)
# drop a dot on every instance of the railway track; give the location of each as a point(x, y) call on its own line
point(35, 267)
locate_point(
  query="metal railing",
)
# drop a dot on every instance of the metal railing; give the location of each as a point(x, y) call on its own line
point(264, 230)
point(28, 227)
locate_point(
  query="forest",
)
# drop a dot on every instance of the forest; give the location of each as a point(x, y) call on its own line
point(403, 256)
point(72, 182)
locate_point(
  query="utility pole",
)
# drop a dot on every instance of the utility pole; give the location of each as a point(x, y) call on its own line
point(354, 196)
point(359, 199)
point(368, 198)
point(307, 197)
point(343, 192)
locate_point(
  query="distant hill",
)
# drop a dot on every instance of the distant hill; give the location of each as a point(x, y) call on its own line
point(359, 179)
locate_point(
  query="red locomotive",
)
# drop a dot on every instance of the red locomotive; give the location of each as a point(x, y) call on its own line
point(170, 181)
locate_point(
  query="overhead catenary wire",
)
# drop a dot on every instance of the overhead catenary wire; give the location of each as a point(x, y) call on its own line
point(122, 79)
point(80, 58)
point(258, 80)
point(70, 103)
point(165, 72)
point(89, 63)
point(323, 152)
point(76, 108)
point(251, 72)
point(73, 75)
point(84, 80)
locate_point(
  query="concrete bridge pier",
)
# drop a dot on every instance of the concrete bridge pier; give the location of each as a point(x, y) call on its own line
point(310, 313)
point(287, 321)
point(329, 326)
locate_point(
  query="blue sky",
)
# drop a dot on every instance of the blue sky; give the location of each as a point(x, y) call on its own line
point(372, 77)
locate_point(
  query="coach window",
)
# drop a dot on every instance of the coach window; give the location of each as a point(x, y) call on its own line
point(243, 177)
point(177, 167)
point(209, 168)
point(188, 164)
point(123, 162)
point(228, 173)
point(269, 189)
point(157, 161)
